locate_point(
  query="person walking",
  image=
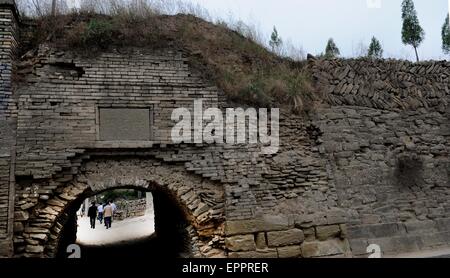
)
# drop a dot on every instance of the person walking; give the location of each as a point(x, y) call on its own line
point(108, 213)
point(114, 208)
point(100, 213)
point(104, 206)
point(92, 214)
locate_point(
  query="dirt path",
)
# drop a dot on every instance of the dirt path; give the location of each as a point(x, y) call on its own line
point(128, 229)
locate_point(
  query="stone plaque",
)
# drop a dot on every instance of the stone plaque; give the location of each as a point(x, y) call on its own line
point(124, 124)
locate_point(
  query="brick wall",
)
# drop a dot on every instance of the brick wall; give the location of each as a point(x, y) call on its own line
point(57, 135)
point(8, 44)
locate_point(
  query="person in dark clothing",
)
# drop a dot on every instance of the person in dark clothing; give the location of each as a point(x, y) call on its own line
point(92, 214)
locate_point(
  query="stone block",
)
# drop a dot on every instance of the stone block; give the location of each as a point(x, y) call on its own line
point(272, 223)
point(283, 238)
point(35, 230)
point(420, 227)
point(39, 236)
point(326, 232)
point(260, 254)
point(310, 234)
point(240, 243)
point(324, 248)
point(34, 249)
point(370, 219)
point(289, 251)
point(261, 241)
point(21, 215)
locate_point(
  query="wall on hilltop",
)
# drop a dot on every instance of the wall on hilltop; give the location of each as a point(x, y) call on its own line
point(384, 84)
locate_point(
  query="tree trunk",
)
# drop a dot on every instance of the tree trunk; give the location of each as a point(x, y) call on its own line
point(417, 55)
point(53, 7)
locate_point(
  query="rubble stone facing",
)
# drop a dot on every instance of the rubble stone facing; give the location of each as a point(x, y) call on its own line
point(383, 84)
point(130, 208)
point(386, 138)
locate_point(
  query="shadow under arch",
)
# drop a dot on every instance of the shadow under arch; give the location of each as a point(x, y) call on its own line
point(189, 209)
point(171, 238)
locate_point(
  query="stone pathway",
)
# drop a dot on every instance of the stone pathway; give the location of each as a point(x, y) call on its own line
point(125, 230)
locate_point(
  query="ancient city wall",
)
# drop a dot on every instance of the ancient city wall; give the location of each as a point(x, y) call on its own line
point(57, 134)
point(8, 46)
point(386, 136)
point(370, 164)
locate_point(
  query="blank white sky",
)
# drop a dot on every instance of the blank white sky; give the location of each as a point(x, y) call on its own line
point(309, 23)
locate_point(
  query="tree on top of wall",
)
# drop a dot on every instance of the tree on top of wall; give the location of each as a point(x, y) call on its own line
point(375, 49)
point(446, 36)
point(331, 50)
point(412, 32)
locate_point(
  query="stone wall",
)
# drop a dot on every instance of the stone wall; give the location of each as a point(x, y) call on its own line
point(386, 137)
point(8, 46)
point(297, 214)
point(369, 165)
point(130, 208)
point(384, 84)
point(57, 134)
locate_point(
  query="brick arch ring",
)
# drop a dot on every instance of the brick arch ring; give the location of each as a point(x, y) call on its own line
point(200, 199)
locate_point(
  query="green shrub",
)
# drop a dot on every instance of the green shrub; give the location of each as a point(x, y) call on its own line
point(98, 33)
point(255, 93)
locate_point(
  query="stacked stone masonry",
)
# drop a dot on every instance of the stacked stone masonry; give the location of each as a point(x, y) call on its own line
point(130, 208)
point(386, 135)
point(369, 165)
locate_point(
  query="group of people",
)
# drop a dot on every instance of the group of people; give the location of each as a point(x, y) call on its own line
point(102, 212)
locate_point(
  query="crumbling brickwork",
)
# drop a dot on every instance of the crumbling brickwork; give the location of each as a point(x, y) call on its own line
point(60, 112)
point(8, 47)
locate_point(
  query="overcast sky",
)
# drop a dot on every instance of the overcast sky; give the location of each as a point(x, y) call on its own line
point(309, 23)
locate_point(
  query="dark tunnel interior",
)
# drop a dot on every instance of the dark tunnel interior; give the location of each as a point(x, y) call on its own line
point(170, 239)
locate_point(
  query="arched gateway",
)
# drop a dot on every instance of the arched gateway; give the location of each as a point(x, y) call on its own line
point(188, 208)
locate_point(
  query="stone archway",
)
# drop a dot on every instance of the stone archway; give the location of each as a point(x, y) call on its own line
point(200, 201)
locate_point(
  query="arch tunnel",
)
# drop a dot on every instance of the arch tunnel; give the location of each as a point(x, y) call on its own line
point(170, 238)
